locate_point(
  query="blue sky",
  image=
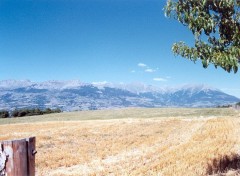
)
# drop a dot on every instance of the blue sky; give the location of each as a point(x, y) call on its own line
point(99, 40)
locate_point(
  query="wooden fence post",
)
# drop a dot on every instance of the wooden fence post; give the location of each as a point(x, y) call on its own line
point(18, 157)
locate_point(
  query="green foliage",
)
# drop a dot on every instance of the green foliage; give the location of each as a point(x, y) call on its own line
point(32, 112)
point(224, 106)
point(4, 114)
point(238, 104)
point(215, 25)
point(15, 113)
point(57, 110)
point(47, 111)
point(22, 113)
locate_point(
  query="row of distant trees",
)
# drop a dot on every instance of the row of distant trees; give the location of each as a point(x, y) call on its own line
point(27, 112)
point(229, 105)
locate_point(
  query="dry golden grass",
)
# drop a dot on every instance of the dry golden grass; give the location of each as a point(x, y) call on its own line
point(132, 141)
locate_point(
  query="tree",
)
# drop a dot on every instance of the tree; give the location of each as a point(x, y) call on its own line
point(37, 111)
point(15, 113)
point(47, 111)
point(58, 110)
point(4, 114)
point(215, 25)
point(22, 113)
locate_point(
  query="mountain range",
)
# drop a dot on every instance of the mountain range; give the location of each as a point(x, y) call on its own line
point(75, 95)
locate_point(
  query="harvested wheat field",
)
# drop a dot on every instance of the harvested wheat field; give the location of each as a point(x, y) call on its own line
point(133, 142)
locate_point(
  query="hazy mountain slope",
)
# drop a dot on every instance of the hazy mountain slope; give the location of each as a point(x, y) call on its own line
point(74, 95)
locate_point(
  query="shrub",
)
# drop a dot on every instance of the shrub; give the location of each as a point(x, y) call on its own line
point(4, 114)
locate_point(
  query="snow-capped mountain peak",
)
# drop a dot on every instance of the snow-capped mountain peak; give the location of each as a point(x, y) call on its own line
point(52, 84)
point(13, 84)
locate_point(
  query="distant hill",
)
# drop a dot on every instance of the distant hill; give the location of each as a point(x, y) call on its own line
point(75, 95)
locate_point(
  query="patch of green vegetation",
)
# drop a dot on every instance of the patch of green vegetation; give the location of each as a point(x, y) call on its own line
point(27, 112)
